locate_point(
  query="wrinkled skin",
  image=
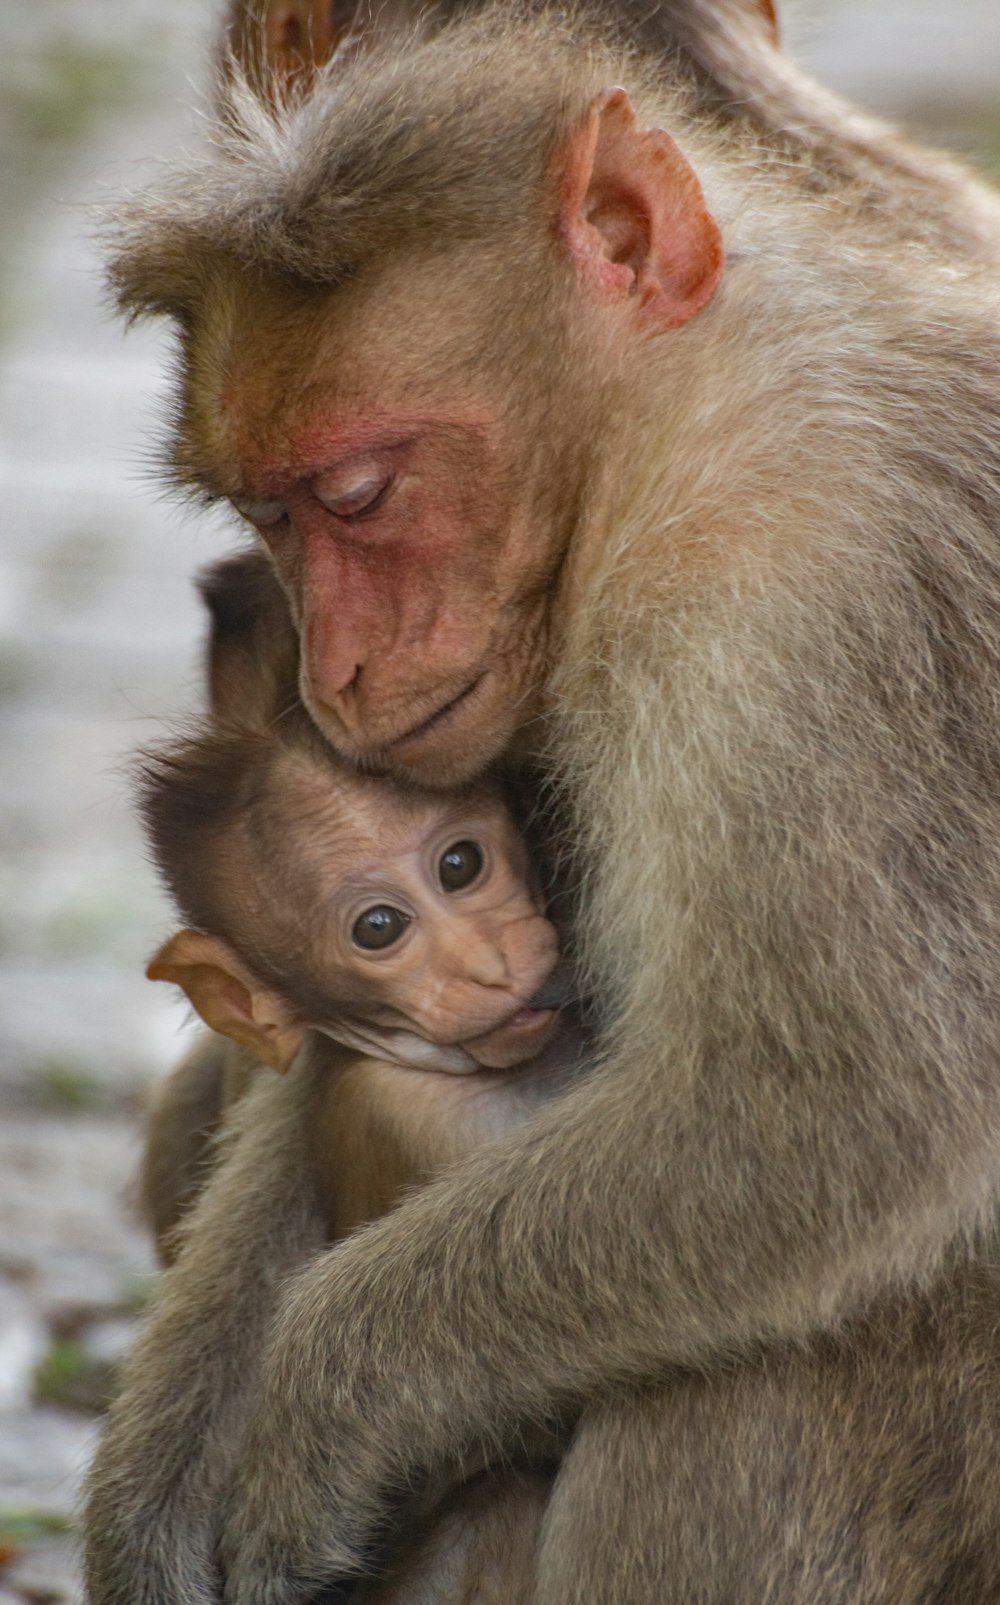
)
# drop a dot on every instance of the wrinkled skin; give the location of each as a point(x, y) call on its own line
point(416, 555)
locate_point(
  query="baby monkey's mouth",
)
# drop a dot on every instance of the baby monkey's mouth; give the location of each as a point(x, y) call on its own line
point(528, 1028)
point(519, 1037)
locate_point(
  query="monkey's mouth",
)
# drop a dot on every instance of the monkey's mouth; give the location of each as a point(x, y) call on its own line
point(555, 993)
point(527, 1019)
point(519, 1037)
point(529, 1027)
point(432, 724)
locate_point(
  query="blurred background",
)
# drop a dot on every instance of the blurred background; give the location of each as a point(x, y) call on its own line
point(98, 648)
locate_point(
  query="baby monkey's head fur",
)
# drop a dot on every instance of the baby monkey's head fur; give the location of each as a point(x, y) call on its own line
point(317, 897)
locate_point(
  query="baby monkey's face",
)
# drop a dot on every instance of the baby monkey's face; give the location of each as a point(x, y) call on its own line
point(435, 925)
point(408, 926)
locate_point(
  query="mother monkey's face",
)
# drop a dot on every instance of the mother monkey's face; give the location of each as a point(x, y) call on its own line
point(409, 519)
point(416, 446)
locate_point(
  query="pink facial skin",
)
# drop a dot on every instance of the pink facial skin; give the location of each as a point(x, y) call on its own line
point(461, 965)
point(405, 551)
point(405, 915)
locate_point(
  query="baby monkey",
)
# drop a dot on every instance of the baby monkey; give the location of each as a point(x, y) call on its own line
point(406, 925)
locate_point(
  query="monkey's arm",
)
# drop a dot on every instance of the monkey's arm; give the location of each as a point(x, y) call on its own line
point(622, 1233)
point(151, 1516)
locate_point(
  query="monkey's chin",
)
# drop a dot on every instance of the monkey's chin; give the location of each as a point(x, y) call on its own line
point(445, 759)
point(522, 1036)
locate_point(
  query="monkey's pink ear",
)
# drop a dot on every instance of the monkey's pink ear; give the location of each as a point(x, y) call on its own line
point(632, 213)
point(228, 997)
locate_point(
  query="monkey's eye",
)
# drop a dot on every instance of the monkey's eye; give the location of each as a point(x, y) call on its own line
point(378, 927)
point(262, 511)
point(460, 866)
point(352, 497)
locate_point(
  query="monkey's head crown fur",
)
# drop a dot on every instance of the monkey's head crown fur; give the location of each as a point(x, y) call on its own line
point(386, 152)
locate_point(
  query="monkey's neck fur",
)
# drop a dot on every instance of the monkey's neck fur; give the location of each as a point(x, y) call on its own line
point(795, 629)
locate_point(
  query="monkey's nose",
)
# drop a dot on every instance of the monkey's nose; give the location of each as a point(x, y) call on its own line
point(345, 680)
point(485, 963)
point(343, 704)
point(330, 682)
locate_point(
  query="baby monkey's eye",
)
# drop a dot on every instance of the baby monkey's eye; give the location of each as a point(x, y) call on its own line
point(460, 865)
point(378, 927)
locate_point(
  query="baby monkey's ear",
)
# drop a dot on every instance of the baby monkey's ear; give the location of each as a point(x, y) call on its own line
point(229, 999)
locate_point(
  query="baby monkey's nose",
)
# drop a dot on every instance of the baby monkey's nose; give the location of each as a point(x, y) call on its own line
point(478, 955)
point(485, 962)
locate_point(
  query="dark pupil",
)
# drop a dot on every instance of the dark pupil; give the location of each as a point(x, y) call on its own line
point(460, 865)
point(378, 927)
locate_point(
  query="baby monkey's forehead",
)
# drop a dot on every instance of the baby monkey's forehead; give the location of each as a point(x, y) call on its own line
point(338, 820)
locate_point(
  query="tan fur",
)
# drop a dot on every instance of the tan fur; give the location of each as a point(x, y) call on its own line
point(325, 1149)
point(847, 158)
point(729, 52)
point(367, 1132)
point(256, 1219)
point(381, 1129)
point(481, 1548)
point(184, 1116)
point(770, 670)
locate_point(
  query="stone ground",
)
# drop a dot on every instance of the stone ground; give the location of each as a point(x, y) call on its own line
point(97, 646)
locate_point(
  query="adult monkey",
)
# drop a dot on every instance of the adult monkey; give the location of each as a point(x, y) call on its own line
point(724, 555)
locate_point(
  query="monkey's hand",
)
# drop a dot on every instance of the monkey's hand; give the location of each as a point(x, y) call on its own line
point(280, 1538)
